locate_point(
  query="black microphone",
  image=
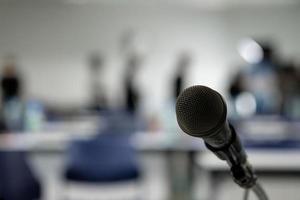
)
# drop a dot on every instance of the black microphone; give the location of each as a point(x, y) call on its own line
point(202, 112)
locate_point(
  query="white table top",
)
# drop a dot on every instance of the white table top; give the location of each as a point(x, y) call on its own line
point(58, 141)
point(39, 141)
point(261, 159)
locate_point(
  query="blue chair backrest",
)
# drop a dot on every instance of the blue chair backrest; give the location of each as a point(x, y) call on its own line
point(106, 158)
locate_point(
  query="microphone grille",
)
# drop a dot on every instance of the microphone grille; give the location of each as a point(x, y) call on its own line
point(200, 110)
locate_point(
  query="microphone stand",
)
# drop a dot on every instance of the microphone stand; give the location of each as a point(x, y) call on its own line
point(241, 170)
point(258, 190)
point(244, 176)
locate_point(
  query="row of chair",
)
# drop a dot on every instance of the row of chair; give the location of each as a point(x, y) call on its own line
point(104, 167)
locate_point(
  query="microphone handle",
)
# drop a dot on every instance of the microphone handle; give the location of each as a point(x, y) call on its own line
point(233, 153)
point(241, 170)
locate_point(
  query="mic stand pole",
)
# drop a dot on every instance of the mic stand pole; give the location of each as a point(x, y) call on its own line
point(244, 176)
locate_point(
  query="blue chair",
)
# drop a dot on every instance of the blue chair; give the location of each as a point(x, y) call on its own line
point(17, 181)
point(104, 167)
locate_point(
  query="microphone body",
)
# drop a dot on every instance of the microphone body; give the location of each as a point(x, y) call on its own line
point(233, 153)
point(202, 112)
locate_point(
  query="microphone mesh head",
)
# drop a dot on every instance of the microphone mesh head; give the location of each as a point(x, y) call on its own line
point(200, 111)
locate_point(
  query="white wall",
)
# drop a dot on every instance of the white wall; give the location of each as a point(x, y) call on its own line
point(52, 40)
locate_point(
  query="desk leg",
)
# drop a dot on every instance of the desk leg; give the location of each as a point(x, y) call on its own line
point(181, 174)
point(214, 186)
point(48, 168)
point(191, 173)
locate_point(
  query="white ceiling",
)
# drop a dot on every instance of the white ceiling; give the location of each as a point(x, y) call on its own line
point(209, 4)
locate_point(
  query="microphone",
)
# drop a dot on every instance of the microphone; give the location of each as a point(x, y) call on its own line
point(202, 112)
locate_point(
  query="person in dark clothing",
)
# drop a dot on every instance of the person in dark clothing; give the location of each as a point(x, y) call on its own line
point(12, 107)
point(236, 86)
point(289, 82)
point(96, 66)
point(182, 64)
point(10, 83)
point(131, 93)
point(259, 79)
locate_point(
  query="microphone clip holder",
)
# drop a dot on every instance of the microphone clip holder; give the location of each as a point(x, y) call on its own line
point(243, 175)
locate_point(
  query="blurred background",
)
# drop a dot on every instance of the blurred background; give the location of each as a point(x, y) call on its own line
point(88, 91)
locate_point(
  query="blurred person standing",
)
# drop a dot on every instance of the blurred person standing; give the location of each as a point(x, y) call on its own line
point(258, 81)
point(132, 47)
point(289, 78)
point(134, 50)
point(98, 98)
point(167, 115)
point(181, 67)
point(12, 109)
point(131, 93)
